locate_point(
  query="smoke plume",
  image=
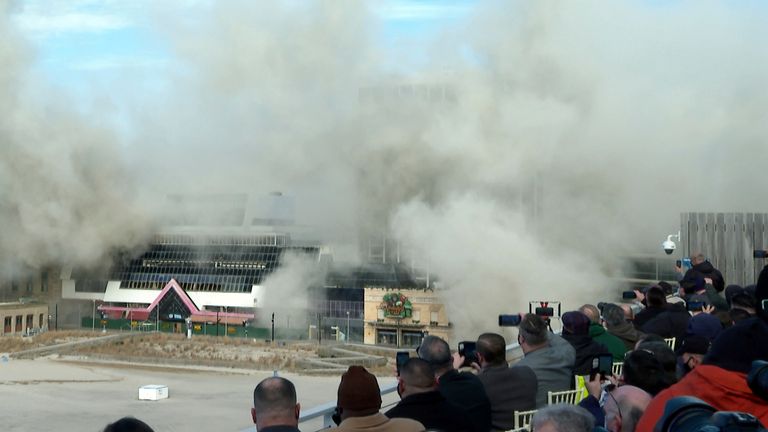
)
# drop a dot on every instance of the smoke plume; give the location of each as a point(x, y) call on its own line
point(64, 198)
point(533, 144)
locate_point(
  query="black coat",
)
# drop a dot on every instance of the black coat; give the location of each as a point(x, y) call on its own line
point(433, 411)
point(706, 270)
point(465, 390)
point(586, 349)
point(646, 315)
point(672, 323)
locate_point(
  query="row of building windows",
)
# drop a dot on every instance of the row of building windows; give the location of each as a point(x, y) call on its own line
point(9, 321)
point(253, 240)
point(29, 284)
point(195, 286)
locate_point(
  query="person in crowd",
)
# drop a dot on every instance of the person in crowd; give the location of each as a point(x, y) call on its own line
point(508, 389)
point(463, 389)
point(642, 369)
point(665, 355)
point(721, 378)
point(600, 335)
point(648, 337)
point(761, 294)
point(672, 323)
point(744, 301)
point(670, 291)
point(655, 303)
point(421, 401)
point(274, 406)
point(732, 290)
point(359, 402)
point(736, 315)
point(128, 424)
point(701, 268)
point(704, 324)
point(549, 355)
point(623, 408)
point(691, 353)
point(617, 325)
point(629, 313)
point(576, 332)
point(700, 289)
point(563, 418)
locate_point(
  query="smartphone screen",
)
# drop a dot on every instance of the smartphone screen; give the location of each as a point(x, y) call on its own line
point(401, 358)
point(603, 365)
point(509, 320)
point(467, 350)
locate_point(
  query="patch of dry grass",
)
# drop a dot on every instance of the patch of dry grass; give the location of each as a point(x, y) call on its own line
point(203, 350)
point(12, 344)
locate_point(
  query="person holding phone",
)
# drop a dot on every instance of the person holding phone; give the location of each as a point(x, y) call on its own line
point(549, 355)
point(421, 401)
point(462, 389)
point(509, 389)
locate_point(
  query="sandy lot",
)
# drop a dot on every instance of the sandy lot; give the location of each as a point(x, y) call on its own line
point(53, 395)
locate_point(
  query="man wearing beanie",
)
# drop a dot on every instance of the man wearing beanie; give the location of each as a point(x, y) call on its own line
point(721, 378)
point(359, 402)
point(576, 332)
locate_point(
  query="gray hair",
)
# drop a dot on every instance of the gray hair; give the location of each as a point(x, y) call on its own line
point(564, 418)
point(435, 351)
point(613, 315)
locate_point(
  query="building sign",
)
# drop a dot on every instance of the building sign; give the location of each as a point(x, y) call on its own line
point(396, 305)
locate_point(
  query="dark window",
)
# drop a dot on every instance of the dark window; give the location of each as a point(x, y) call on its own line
point(43, 282)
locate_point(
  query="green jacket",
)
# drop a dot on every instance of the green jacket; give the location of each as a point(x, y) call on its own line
point(614, 344)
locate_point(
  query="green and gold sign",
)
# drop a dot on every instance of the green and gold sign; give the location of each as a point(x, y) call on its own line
point(396, 305)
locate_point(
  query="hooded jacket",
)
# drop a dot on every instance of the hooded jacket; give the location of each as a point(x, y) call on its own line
point(706, 270)
point(586, 349)
point(628, 334)
point(615, 345)
point(671, 324)
point(723, 389)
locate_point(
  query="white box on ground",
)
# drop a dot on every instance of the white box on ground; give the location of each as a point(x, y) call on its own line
point(153, 392)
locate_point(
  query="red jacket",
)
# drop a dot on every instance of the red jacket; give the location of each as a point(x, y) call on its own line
point(721, 388)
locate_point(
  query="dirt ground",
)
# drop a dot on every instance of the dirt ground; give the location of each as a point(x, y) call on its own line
point(210, 381)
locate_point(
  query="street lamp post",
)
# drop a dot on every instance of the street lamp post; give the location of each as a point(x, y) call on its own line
point(226, 323)
point(347, 338)
point(93, 316)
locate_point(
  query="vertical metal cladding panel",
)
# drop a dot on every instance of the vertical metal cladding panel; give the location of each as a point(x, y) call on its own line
point(729, 247)
point(684, 235)
point(710, 245)
point(760, 242)
point(719, 252)
point(743, 236)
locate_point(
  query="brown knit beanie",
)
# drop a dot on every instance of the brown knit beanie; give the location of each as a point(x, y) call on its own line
point(359, 390)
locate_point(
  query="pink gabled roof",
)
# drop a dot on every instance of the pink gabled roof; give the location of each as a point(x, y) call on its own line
point(173, 285)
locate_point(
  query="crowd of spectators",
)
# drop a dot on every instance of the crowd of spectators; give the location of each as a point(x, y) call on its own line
point(719, 332)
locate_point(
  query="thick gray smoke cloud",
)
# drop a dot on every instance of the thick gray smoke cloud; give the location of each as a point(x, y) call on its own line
point(552, 137)
point(64, 197)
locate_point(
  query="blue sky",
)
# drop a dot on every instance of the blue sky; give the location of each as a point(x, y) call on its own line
point(82, 43)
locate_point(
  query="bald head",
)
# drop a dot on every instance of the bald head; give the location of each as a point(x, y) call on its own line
point(437, 353)
point(592, 312)
point(632, 402)
point(274, 403)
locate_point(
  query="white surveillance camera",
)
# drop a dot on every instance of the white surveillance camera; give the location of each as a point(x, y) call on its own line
point(669, 246)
